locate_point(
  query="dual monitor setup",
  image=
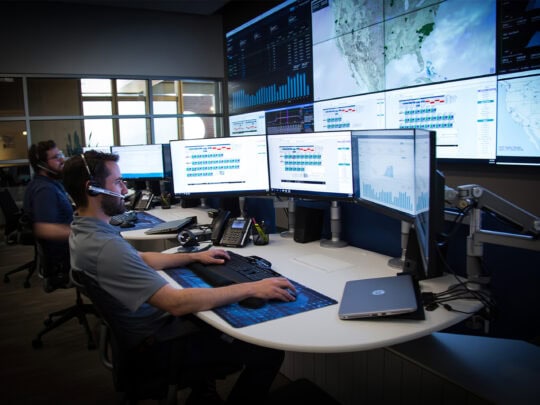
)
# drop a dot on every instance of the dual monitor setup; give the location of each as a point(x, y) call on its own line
point(392, 171)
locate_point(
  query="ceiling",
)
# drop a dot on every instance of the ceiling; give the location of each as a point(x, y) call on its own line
point(201, 7)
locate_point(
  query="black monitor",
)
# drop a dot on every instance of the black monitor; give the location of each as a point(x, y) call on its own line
point(391, 170)
point(231, 166)
point(395, 173)
point(144, 162)
point(311, 165)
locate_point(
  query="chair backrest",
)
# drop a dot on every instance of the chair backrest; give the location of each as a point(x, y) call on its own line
point(146, 371)
point(54, 270)
point(10, 210)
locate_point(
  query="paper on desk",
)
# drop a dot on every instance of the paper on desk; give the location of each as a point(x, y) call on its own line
point(324, 263)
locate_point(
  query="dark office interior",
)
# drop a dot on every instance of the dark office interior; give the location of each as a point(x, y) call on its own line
point(185, 40)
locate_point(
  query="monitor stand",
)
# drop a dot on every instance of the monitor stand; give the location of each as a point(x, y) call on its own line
point(291, 209)
point(398, 262)
point(335, 228)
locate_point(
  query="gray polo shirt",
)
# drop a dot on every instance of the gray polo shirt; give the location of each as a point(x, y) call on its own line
point(99, 250)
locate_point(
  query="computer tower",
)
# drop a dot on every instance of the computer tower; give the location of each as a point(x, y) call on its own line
point(308, 224)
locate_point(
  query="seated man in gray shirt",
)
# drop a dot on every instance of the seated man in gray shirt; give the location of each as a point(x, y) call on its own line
point(147, 304)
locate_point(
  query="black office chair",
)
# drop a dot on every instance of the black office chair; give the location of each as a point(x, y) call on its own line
point(55, 275)
point(18, 230)
point(151, 370)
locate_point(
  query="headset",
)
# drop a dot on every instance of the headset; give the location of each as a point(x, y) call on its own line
point(93, 189)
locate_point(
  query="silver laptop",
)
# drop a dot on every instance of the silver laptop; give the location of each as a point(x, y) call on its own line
point(375, 297)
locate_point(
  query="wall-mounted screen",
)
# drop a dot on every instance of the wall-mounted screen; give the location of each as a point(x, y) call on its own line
point(269, 59)
point(253, 123)
point(288, 120)
point(463, 113)
point(518, 118)
point(358, 112)
point(220, 166)
point(315, 165)
point(144, 162)
point(442, 65)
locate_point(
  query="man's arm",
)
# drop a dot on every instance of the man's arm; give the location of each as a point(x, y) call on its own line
point(51, 231)
point(161, 261)
point(190, 300)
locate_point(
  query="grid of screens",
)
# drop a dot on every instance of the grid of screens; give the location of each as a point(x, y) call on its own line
point(316, 165)
point(220, 166)
point(144, 162)
point(466, 69)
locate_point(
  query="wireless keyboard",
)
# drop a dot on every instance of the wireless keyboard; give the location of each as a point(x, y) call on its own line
point(129, 216)
point(238, 269)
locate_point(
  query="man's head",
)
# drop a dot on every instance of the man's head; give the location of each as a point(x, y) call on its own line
point(95, 175)
point(46, 159)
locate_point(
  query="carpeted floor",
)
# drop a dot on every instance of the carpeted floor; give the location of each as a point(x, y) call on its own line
point(63, 371)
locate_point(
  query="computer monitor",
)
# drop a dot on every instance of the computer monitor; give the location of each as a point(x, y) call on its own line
point(231, 166)
point(395, 173)
point(311, 165)
point(144, 162)
point(426, 247)
point(392, 169)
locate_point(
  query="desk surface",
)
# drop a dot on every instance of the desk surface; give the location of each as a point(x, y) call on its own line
point(321, 331)
point(175, 212)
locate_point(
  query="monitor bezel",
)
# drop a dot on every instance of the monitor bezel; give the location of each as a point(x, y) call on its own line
point(221, 193)
point(303, 194)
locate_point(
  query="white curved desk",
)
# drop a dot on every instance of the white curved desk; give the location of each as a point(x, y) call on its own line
point(321, 331)
point(159, 242)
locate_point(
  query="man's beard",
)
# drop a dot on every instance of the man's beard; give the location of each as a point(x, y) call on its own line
point(112, 206)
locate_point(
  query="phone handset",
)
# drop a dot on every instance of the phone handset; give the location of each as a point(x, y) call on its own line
point(218, 226)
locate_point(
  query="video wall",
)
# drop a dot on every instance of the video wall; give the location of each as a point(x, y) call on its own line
point(469, 70)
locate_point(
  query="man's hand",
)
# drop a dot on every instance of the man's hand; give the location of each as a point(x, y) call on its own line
point(212, 256)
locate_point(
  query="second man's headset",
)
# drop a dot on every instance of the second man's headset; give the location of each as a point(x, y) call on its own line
point(93, 189)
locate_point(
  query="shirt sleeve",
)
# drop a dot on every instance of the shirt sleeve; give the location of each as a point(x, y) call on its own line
point(124, 275)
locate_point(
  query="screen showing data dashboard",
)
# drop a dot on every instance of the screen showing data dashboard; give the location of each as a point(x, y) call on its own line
point(316, 165)
point(144, 162)
point(467, 69)
point(392, 169)
point(220, 166)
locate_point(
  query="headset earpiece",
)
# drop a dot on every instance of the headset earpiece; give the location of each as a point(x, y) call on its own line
point(93, 188)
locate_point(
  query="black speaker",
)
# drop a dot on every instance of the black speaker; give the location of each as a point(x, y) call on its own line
point(308, 224)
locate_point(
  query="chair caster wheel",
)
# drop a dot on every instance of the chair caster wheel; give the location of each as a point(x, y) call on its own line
point(37, 344)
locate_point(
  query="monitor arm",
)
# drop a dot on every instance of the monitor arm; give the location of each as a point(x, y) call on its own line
point(479, 198)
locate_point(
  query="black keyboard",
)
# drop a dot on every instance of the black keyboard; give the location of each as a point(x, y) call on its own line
point(129, 216)
point(238, 269)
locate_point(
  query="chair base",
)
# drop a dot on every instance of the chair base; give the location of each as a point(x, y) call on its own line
point(79, 311)
point(30, 266)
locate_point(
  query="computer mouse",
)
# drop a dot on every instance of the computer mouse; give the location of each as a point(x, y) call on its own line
point(127, 224)
point(252, 303)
